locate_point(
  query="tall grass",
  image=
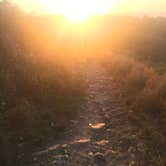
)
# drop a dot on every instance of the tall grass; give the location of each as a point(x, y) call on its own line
point(144, 91)
point(41, 86)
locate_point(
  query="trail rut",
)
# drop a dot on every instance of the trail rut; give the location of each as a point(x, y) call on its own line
point(102, 135)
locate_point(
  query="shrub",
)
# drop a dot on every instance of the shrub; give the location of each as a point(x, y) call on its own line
point(152, 98)
point(40, 89)
point(144, 90)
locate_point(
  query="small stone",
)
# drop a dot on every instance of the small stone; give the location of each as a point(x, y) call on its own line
point(90, 153)
point(131, 163)
point(130, 111)
point(132, 155)
point(97, 125)
point(53, 162)
point(3, 103)
point(21, 138)
point(54, 147)
point(82, 117)
point(103, 109)
point(140, 147)
point(41, 152)
point(99, 155)
point(108, 130)
point(66, 156)
point(34, 158)
point(130, 149)
point(110, 152)
point(84, 140)
point(102, 142)
point(64, 146)
point(106, 116)
point(52, 124)
point(99, 159)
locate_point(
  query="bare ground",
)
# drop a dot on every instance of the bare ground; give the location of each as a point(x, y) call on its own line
point(101, 136)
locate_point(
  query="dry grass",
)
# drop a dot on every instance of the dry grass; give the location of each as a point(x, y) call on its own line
point(41, 88)
point(144, 90)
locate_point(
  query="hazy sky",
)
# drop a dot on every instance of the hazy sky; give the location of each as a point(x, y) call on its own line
point(150, 7)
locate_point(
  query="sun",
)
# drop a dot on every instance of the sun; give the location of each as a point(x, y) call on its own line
point(76, 15)
point(82, 10)
point(77, 10)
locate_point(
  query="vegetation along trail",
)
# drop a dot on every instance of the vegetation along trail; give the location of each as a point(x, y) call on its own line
point(102, 134)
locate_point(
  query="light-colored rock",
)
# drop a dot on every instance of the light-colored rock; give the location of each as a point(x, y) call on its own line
point(64, 146)
point(97, 125)
point(83, 140)
point(132, 163)
point(99, 155)
point(54, 147)
point(102, 142)
point(90, 153)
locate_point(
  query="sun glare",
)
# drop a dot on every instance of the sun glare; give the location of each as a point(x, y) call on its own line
point(77, 10)
point(76, 16)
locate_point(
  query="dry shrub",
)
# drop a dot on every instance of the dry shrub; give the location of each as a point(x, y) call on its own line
point(145, 93)
point(40, 83)
point(135, 81)
point(144, 89)
point(152, 98)
point(131, 75)
point(118, 65)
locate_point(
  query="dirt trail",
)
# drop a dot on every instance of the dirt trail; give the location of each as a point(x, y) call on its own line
point(101, 136)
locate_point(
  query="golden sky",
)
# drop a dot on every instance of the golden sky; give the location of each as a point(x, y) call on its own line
point(150, 7)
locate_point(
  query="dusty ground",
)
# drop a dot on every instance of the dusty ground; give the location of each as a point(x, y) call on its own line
point(101, 136)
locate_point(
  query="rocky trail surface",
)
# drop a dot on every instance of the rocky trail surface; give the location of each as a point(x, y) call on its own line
point(102, 134)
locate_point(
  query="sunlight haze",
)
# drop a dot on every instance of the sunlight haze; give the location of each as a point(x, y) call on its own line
point(94, 7)
point(83, 82)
